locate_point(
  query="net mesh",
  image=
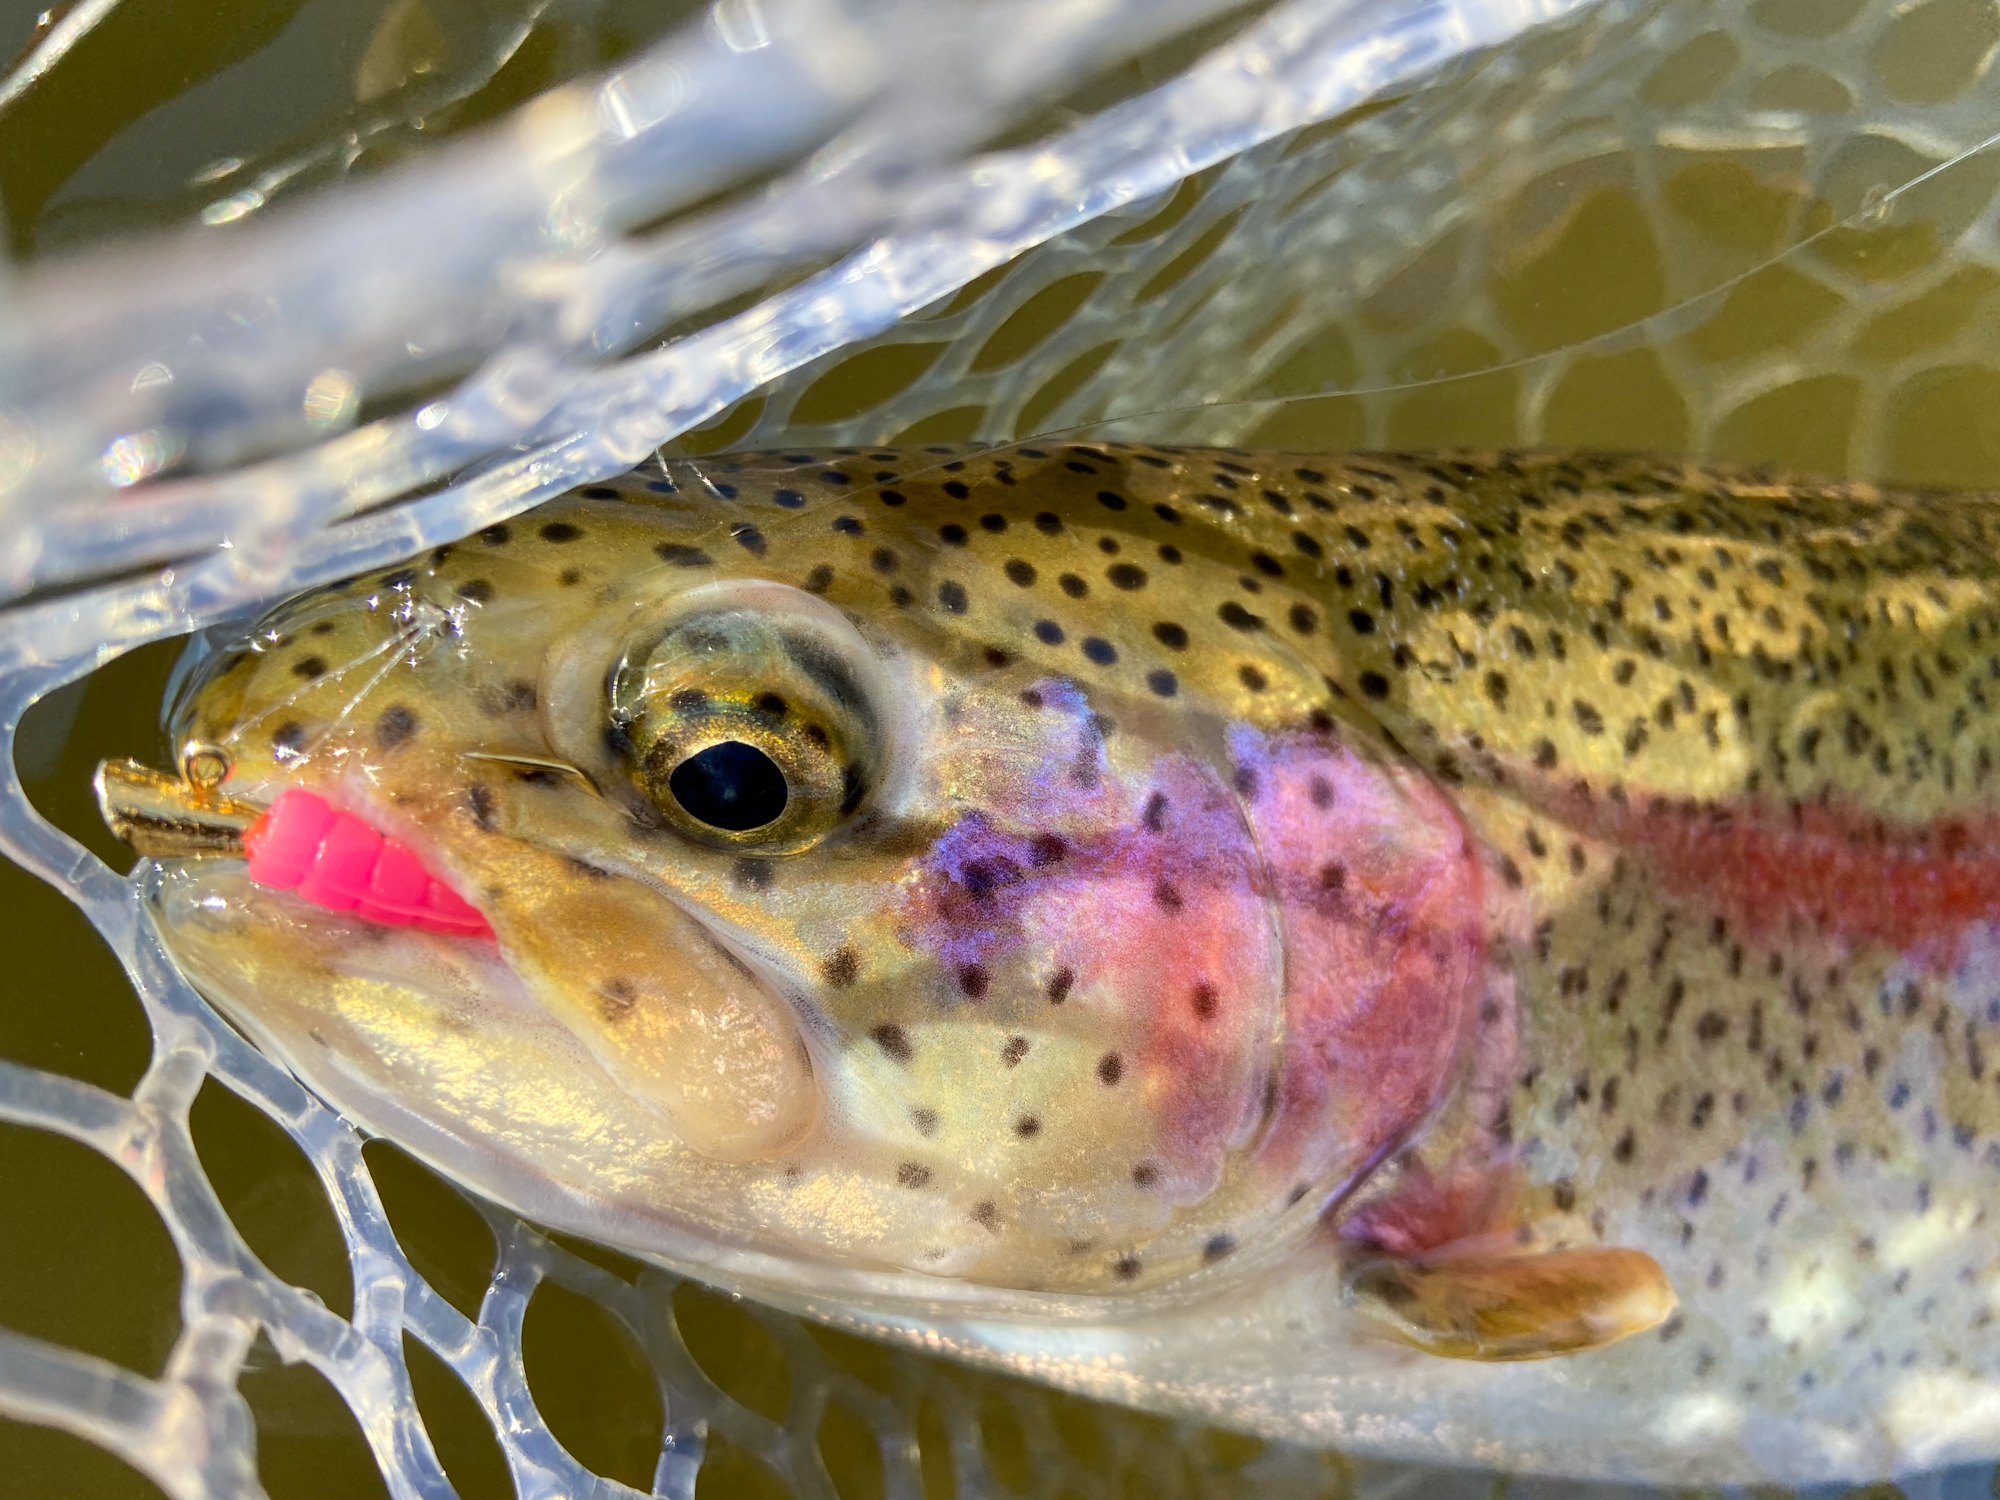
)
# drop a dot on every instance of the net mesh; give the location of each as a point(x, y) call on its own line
point(776, 228)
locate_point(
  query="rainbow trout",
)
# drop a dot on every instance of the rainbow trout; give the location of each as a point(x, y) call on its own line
point(1487, 959)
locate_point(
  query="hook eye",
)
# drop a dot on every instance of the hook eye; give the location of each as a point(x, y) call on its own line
point(204, 767)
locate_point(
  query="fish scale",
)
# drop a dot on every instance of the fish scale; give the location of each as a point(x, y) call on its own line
point(1273, 860)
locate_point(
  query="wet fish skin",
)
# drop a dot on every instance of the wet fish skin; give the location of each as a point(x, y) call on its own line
point(1692, 766)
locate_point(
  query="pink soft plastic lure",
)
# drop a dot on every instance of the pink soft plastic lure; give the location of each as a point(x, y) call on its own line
point(333, 859)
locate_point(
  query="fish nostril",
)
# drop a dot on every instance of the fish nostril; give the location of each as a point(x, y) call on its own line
point(731, 786)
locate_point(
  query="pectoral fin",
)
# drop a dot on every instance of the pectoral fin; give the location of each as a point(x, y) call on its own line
point(1503, 1307)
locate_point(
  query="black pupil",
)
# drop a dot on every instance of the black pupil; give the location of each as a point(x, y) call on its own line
point(732, 786)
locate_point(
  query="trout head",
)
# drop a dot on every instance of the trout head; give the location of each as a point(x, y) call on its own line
point(933, 868)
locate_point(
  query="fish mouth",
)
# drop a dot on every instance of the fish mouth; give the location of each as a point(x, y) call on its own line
point(325, 854)
point(660, 1003)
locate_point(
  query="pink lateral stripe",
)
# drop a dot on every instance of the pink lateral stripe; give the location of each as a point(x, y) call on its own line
point(338, 862)
point(1827, 867)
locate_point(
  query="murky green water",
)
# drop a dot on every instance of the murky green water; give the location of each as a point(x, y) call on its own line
point(139, 124)
point(136, 129)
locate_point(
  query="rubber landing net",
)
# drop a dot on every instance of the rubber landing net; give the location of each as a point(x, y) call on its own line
point(1335, 223)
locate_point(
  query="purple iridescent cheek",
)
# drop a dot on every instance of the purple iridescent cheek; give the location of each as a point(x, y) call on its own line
point(1281, 958)
point(1133, 917)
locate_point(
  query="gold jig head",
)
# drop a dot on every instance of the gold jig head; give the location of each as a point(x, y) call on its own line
point(173, 817)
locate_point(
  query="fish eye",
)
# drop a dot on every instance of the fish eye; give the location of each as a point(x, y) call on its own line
point(731, 786)
point(745, 728)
